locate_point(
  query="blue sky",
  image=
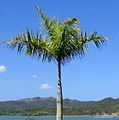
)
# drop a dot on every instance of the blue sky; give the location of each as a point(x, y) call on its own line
point(93, 77)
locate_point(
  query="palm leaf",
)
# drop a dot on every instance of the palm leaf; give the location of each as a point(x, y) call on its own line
point(32, 44)
point(61, 42)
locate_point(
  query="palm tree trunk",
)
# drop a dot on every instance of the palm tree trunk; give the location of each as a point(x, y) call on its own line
point(59, 95)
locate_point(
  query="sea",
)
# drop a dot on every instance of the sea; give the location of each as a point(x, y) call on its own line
point(54, 118)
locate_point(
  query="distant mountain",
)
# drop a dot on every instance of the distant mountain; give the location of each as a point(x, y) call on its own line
point(47, 106)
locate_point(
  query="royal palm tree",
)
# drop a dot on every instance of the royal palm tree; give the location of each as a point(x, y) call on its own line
point(59, 42)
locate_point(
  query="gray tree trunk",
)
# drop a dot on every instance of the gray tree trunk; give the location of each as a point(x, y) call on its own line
point(59, 95)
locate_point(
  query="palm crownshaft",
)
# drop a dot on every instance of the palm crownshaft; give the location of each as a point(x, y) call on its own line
point(61, 43)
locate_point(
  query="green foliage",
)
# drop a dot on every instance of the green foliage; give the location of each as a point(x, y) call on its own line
point(61, 41)
point(46, 106)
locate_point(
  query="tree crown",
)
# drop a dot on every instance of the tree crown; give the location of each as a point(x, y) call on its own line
point(61, 42)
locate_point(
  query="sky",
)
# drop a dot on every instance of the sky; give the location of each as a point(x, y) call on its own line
point(93, 77)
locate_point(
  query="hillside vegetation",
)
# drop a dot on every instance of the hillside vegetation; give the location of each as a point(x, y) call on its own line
point(47, 106)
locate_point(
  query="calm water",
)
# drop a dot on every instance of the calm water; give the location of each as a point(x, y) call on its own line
point(53, 118)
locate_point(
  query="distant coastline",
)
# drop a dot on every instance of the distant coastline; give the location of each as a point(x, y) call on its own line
point(37, 106)
point(104, 115)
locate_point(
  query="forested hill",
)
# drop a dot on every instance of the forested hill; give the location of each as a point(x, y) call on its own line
point(47, 106)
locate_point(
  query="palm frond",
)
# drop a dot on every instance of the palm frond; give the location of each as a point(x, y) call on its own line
point(71, 22)
point(62, 41)
point(81, 44)
point(46, 22)
point(32, 44)
point(97, 39)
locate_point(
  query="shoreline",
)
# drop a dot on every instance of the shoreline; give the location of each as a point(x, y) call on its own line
point(95, 116)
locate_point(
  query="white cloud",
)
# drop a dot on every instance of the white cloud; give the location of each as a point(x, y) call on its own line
point(34, 76)
point(3, 68)
point(45, 87)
